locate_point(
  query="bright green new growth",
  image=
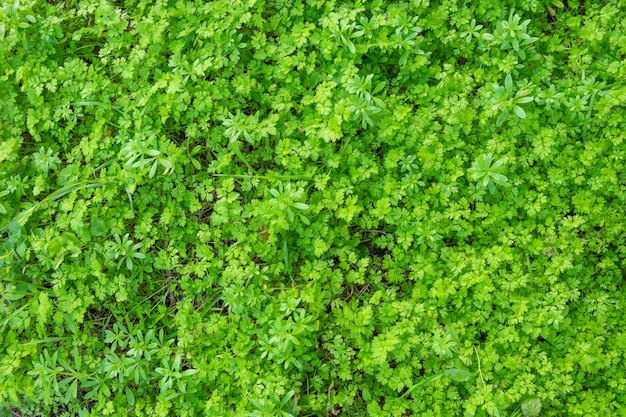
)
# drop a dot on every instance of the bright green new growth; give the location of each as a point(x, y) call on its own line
point(312, 208)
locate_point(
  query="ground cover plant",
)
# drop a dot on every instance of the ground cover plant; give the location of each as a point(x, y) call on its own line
point(312, 208)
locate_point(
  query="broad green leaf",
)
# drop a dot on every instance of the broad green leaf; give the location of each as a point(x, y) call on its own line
point(459, 375)
point(98, 227)
point(531, 407)
point(520, 112)
point(499, 178)
point(508, 84)
point(501, 118)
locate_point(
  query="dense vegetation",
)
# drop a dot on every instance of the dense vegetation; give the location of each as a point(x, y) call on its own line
point(312, 208)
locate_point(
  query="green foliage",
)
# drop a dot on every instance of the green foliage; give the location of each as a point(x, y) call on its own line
point(488, 174)
point(505, 102)
point(531, 407)
point(312, 208)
